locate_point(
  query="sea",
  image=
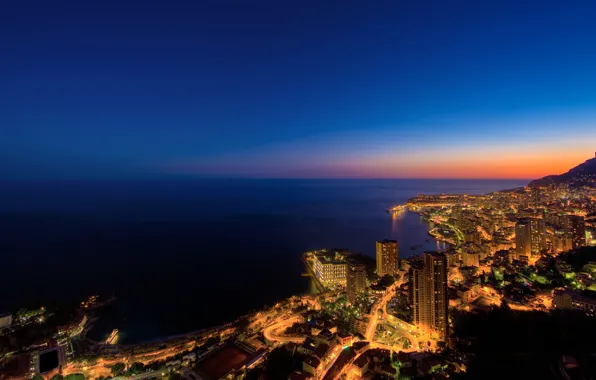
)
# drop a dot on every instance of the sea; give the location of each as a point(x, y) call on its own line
point(182, 255)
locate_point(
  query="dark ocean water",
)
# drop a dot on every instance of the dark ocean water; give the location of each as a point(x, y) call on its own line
point(183, 255)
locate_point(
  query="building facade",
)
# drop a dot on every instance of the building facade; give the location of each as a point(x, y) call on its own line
point(428, 294)
point(356, 281)
point(530, 236)
point(575, 230)
point(387, 257)
point(330, 269)
point(567, 300)
point(5, 320)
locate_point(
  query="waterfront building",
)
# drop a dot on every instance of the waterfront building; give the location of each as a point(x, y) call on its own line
point(387, 257)
point(330, 268)
point(530, 236)
point(575, 230)
point(356, 281)
point(5, 320)
point(428, 294)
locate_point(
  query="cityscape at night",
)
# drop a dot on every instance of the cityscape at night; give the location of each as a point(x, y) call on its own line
point(264, 190)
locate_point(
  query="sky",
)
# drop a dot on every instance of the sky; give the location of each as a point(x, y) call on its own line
point(296, 89)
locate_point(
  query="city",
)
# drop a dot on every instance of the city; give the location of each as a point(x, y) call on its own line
point(297, 190)
point(528, 250)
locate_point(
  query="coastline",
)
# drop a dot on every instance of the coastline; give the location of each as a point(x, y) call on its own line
point(355, 226)
point(312, 275)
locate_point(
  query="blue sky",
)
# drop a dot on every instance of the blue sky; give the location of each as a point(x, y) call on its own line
point(296, 88)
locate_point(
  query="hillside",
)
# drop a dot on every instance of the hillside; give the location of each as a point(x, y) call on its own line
point(583, 174)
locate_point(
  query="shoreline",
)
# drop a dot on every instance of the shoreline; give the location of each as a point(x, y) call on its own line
point(312, 275)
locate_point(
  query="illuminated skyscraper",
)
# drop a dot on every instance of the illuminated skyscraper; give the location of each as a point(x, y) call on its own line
point(356, 281)
point(387, 257)
point(522, 237)
point(538, 230)
point(575, 230)
point(428, 294)
point(530, 236)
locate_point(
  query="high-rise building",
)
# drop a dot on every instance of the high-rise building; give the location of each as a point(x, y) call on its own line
point(538, 230)
point(522, 237)
point(428, 294)
point(530, 236)
point(356, 281)
point(575, 230)
point(387, 257)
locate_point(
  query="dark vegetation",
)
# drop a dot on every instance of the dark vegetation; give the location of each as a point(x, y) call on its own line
point(525, 345)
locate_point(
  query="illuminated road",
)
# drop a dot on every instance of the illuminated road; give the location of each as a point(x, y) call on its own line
point(381, 304)
point(274, 332)
point(406, 329)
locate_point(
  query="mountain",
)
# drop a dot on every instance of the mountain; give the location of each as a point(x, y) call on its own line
point(583, 174)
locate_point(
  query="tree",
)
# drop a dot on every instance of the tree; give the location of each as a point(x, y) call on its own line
point(243, 324)
point(75, 376)
point(136, 368)
point(212, 341)
point(117, 369)
point(57, 377)
point(406, 343)
point(37, 377)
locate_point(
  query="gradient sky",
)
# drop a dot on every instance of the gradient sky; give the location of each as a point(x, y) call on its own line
point(373, 89)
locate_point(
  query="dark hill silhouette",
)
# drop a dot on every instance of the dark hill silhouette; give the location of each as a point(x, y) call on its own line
point(583, 174)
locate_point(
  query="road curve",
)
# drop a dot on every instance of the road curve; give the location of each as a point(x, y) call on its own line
point(274, 332)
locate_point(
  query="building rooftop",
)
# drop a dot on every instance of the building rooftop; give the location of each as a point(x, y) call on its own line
point(387, 241)
point(361, 361)
point(313, 362)
point(321, 350)
point(298, 376)
point(434, 253)
point(309, 344)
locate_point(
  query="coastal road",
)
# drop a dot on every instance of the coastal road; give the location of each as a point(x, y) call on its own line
point(275, 331)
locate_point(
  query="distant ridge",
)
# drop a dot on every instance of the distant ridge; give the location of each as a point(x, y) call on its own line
point(583, 174)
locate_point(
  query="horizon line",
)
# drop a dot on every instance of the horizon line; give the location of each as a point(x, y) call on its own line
point(184, 177)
